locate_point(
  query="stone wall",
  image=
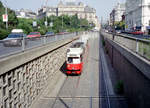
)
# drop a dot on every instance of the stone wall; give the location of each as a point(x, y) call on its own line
point(134, 73)
point(20, 86)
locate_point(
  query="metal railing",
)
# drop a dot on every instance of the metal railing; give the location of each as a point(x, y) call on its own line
point(7, 49)
point(137, 45)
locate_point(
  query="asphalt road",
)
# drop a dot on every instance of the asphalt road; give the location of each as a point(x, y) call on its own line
point(5, 51)
point(93, 89)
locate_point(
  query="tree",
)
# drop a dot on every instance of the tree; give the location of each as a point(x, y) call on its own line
point(12, 21)
point(70, 23)
point(25, 24)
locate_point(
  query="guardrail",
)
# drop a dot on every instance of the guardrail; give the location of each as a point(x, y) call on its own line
point(139, 46)
point(29, 43)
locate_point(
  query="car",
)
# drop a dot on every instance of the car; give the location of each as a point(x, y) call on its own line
point(137, 32)
point(61, 33)
point(106, 31)
point(34, 35)
point(16, 31)
point(49, 34)
point(14, 39)
point(118, 31)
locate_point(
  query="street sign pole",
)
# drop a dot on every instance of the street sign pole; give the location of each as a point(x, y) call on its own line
point(7, 17)
point(113, 24)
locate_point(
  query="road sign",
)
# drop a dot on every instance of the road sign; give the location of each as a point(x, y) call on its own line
point(5, 17)
point(51, 24)
point(45, 23)
point(34, 23)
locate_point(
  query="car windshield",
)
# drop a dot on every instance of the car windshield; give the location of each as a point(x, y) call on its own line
point(33, 33)
point(15, 35)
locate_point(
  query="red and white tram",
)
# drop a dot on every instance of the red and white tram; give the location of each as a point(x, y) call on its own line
point(74, 59)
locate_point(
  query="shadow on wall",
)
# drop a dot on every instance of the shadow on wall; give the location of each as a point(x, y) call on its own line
point(63, 68)
point(136, 85)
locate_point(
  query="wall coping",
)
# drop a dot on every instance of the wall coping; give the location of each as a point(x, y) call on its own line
point(139, 62)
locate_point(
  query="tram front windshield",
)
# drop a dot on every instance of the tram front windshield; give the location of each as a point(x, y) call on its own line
point(74, 60)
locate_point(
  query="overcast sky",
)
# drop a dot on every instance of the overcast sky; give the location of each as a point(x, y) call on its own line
point(103, 7)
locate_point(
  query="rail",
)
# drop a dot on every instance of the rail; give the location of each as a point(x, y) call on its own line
point(137, 45)
point(11, 47)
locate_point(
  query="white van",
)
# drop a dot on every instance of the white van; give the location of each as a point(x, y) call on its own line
point(17, 31)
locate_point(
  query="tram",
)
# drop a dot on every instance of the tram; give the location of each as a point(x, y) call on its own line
point(74, 59)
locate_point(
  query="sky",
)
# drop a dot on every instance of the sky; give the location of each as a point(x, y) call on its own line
point(103, 7)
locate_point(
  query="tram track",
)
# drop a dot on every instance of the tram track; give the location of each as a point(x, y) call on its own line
point(76, 84)
point(72, 92)
point(77, 91)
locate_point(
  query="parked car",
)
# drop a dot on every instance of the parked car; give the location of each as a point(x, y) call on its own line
point(49, 34)
point(34, 35)
point(16, 31)
point(137, 32)
point(61, 33)
point(118, 31)
point(14, 39)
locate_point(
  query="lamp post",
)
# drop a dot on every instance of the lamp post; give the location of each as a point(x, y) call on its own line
point(6, 14)
point(62, 22)
point(46, 17)
point(7, 17)
point(46, 13)
point(113, 12)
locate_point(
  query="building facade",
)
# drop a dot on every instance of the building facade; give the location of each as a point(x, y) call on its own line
point(70, 9)
point(25, 13)
point(117, 13)
point(138, 15)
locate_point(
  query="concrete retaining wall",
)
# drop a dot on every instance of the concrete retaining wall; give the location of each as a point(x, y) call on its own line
point(134, 71)
point(24, 76)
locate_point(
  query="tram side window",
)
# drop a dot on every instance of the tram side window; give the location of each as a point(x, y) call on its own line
point(81, 57)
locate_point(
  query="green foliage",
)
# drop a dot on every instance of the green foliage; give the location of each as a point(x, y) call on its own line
point(60, 23)
point(119, 87)
point(70, 23)
point(3, 33)
point(12, 21)
point(25, 24)
point(103, 42)
point(120, 25)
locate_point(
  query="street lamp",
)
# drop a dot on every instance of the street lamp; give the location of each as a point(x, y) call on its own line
point(46, 17)
point(113, 12)
point(6, 14)
point(46, 13)
point(62, 22)
point(7, 17)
